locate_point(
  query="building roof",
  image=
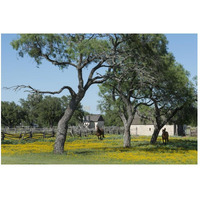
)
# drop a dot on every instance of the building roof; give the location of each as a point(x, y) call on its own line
point(138, 120)
point(93, 118)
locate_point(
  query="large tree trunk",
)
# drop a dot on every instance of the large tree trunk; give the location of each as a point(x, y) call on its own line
point(63, 124)
point(181, 131)
point(127, 137)
point(127, 134)
point(62, 131)
point(155, 135)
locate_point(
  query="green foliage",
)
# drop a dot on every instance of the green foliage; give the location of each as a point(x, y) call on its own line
point(11, 114)
point(110, 107)
point(149, 76)
point(44, 111)
point(49, 111)
point(77, 117)
point(144, 71)
point(129, 82)
point(30, 107)
point(172, 95)
point(188, 115)
point(61, 49)
point(173, 91)
point(112, 119)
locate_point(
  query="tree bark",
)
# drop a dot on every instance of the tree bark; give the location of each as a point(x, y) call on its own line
point(127, 136)
point(63, 124)
point(127, 126)
point(158, 125)
point(181, 131)
point(155, 135)
point(62, 131)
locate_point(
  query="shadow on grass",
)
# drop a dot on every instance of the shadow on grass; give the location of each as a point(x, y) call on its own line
point(183, 144)
point(86, 152)
point(171, 145)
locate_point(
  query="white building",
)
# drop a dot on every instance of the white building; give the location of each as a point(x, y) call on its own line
point(92, 121)
point(141, 127)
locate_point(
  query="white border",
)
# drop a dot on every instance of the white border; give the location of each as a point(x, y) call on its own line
point(99, 181)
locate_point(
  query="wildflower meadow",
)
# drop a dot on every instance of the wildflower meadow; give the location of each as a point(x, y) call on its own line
point(90, 150)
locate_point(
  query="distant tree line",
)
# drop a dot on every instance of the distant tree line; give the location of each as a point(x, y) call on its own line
point(43, 111)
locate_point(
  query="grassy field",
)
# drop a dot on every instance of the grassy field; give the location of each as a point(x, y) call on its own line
point(90, 150)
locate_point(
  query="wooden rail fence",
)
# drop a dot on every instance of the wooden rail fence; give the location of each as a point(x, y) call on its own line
point(25, 134)
point(36, 133)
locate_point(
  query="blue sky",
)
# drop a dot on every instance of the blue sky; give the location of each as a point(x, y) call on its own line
point(23, 71)
point(184, 48)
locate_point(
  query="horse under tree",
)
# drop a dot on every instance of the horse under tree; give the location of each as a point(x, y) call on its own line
point(165, 136)
point(79, 51)
point(100, 133)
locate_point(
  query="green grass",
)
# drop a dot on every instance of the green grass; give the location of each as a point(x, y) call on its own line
point(90, 150)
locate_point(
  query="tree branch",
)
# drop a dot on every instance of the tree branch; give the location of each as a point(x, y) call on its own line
point(92, 80)
point(55, 62)
point(173, 113)
point(145, 117)
point(80, 79)
point(99, 65)
point(32, 90)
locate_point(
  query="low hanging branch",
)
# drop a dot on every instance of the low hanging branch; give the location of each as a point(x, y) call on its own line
point(33, 90)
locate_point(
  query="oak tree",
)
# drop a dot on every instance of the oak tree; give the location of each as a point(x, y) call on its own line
point(125, 91)
point(171, 93)
point(79, 51)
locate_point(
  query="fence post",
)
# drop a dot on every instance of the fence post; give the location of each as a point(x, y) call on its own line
point(44, 134)
point(72, 132)
point(20, 135)
point(53, 133)
point(80, 134)
point(31, 135)
point(2, 135)
point(118, 131)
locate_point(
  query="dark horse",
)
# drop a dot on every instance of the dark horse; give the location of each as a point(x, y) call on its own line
point(165, 136)
point(100, 133)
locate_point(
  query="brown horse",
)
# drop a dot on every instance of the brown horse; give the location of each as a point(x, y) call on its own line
point(165, 136)
point(100, 133)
